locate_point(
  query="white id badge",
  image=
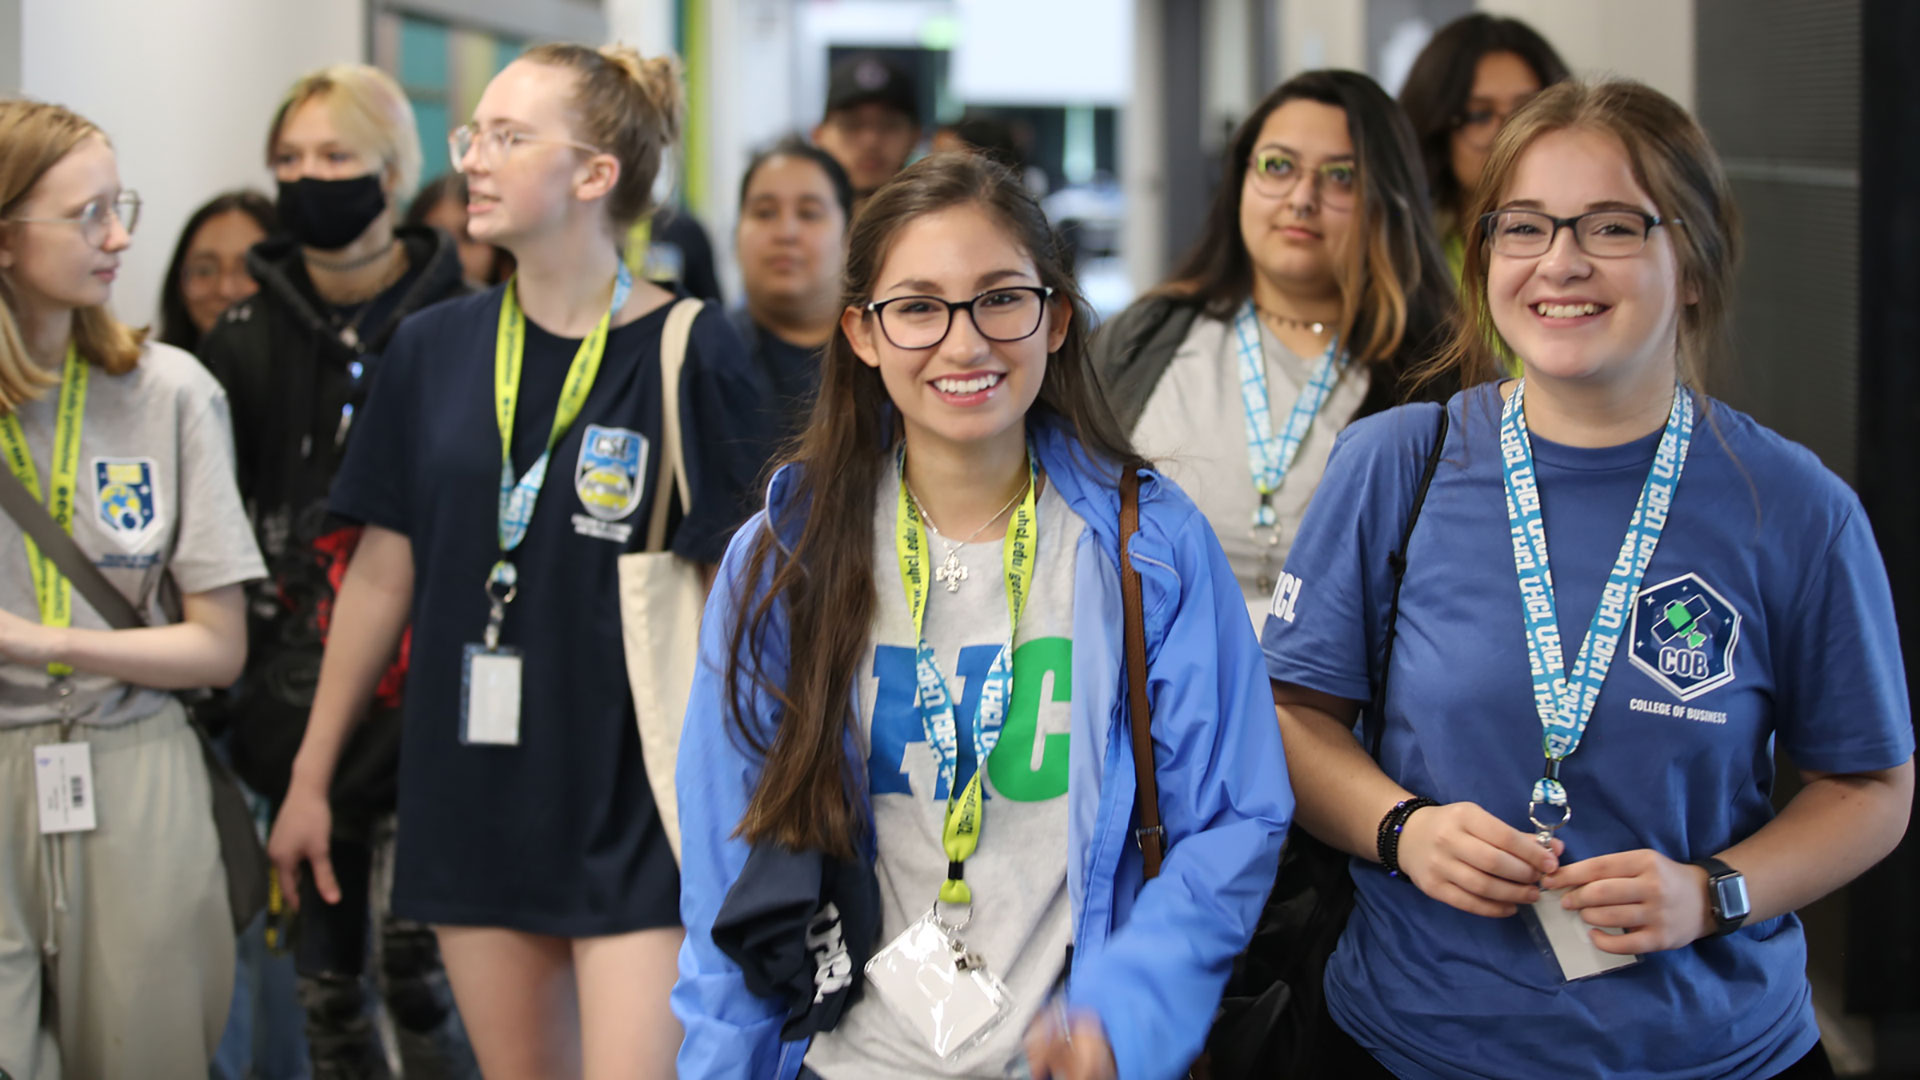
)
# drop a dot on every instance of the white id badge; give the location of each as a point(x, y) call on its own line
point(946, 994)
point(63, 783)
point(1566, 934)
point(490, 696)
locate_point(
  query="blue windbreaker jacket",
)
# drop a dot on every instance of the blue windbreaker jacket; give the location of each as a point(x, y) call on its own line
point(1149, 960)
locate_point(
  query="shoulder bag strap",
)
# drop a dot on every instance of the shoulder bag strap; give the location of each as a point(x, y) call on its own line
point(1397, 561)
point(1151, 835)
point(55, 544)
point(673, 460)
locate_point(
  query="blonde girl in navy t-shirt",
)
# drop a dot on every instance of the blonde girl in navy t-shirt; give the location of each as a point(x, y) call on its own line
point(1713, 589)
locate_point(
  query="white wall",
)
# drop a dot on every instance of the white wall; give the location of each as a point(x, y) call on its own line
point(1322, 34)
point(1649, 40)
point(185, 89)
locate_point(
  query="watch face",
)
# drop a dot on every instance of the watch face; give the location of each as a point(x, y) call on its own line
point(1730, 897)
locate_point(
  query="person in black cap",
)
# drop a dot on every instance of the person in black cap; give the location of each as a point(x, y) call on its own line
point(872, 122)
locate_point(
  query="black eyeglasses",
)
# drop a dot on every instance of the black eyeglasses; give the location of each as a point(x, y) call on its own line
point(921, 322)
point(1604, 234)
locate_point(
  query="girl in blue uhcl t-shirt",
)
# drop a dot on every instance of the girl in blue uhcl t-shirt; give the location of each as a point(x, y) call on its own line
point(1566, 856)
point(906, 741)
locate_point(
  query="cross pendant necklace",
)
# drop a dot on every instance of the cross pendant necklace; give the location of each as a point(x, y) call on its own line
point(951, 572)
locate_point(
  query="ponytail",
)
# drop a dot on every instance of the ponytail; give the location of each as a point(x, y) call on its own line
point(627, 105)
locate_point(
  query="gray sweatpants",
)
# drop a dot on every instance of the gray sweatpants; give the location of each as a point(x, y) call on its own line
point(116, 945)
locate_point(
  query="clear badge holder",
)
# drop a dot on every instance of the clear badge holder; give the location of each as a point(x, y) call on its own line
point(1563, 934)
point(944, 992)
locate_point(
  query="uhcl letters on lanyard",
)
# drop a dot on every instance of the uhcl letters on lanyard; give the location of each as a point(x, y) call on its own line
point(1564, 697)
point(927, 975)
point(62, 771)
point(490, 678)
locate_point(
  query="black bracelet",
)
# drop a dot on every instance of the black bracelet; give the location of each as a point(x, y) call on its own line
point(1387, 844)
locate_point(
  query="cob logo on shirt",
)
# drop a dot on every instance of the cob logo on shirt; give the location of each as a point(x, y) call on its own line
point(1683, 636)
point(128, 498)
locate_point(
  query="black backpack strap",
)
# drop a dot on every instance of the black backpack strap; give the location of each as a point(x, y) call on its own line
point(1374, 722)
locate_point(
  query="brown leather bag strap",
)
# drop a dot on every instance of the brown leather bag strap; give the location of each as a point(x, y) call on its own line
point(1151, 835)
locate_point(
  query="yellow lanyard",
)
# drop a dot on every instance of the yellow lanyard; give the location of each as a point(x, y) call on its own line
point(50, 587)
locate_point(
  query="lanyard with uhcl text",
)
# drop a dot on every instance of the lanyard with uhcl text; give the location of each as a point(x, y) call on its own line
point(50, 587)
point(517, 498)
point(1565, 697)
point(960, 830)
point(1270, 456)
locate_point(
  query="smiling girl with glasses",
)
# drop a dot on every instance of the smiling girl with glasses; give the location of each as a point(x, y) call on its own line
point(1567, 848)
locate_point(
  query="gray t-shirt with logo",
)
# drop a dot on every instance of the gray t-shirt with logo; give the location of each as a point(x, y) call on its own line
point(155, 498)
point(1194, 428)
point(1021, 920)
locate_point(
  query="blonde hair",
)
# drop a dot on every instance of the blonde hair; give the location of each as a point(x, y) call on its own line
point(372, 113)
point(629, 106)
point(34, 137)
point(1672, 161)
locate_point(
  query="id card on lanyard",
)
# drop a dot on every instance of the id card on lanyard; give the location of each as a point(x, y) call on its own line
point(1270, 456)
point(927, 975)
point(63, 771)
point(1564, 697)
point(490, 682)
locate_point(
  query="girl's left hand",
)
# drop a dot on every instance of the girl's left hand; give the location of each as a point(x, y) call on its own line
point(26, 642)
point(1660, 903)
point(1076, 1051)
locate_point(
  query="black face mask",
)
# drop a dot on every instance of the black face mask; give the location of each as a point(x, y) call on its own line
point(330, 214)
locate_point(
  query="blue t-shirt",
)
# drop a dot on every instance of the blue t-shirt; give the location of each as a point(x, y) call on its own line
point(1765, 613)
point(557, 835)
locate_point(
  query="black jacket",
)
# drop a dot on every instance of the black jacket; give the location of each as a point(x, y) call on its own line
point(294, 380)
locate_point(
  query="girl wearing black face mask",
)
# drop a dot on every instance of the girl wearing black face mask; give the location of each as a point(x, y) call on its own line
point(296, 360)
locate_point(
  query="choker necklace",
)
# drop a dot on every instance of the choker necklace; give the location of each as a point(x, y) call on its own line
point(950, 570)
point(1314, 326)
point(351, 265)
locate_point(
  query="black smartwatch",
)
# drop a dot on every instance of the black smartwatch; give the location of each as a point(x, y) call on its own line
point(1726, 895)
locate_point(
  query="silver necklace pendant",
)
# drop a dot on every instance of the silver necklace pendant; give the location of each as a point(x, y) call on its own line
point(951, 573)
point(350, 337)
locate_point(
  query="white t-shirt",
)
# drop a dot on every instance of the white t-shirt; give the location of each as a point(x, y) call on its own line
point(1021, 920)
point(1194, 429)
point(156, 498)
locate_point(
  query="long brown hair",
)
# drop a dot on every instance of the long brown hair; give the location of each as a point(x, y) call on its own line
point(1440, 83)
point(34, 136)
point(809, 792)
point(1396, 293)
point(1672, 161)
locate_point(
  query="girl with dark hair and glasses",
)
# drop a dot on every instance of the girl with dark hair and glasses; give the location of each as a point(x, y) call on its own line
point(1468, 80)
point(1314, 290)
point(1566, 852)
point(208, 272)
point(908, 729)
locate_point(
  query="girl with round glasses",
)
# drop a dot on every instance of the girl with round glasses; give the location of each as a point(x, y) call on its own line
point(1314, 290)
point(508, 457)
point(116, 938)
point(1566, 850)
point(908, 729)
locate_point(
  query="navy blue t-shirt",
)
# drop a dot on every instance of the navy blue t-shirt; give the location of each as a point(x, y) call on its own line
point(557, 835)
point(1765, 613)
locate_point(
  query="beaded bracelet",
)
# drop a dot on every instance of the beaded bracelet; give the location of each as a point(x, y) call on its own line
point(1387, 844)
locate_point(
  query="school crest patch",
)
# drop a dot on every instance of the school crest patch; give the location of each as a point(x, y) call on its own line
point(1683, 636)
point(128, 497)
point(611, 473)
